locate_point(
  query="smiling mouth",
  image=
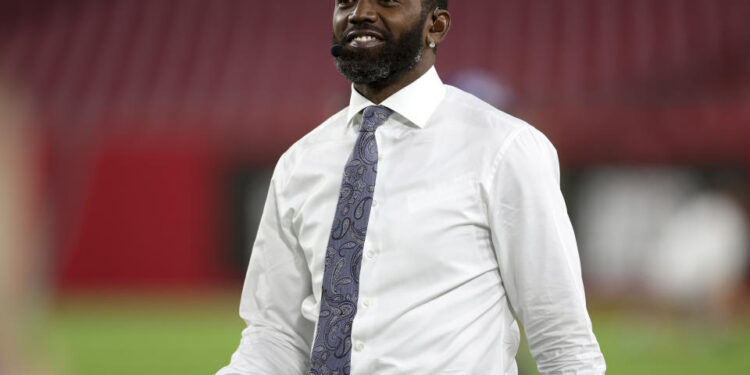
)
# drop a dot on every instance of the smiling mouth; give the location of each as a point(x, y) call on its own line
point(365, 41)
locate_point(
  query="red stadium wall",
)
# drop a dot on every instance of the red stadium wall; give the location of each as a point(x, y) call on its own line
point(150, 217)
point(145, 102)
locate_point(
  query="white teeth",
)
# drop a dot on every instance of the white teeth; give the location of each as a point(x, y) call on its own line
point(364, 38)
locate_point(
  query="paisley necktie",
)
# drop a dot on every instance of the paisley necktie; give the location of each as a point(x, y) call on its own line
point(331, 353)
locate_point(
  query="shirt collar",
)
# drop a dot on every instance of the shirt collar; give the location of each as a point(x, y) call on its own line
point(415, 102)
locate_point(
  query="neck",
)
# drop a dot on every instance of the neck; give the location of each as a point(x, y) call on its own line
point(378, 92)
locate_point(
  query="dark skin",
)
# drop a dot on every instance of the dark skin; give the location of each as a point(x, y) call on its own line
point(396, 17)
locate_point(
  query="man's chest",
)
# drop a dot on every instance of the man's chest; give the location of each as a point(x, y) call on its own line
point(427, 214)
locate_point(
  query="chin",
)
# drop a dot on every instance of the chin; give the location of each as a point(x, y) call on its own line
point(363, 73)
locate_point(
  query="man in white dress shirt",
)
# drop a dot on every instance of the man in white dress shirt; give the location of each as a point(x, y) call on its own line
point(468, 230)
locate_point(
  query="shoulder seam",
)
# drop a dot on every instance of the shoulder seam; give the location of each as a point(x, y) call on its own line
point(504, 148)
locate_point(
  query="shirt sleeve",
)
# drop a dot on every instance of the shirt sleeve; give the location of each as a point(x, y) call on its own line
point(277, 338)
point(538, 257)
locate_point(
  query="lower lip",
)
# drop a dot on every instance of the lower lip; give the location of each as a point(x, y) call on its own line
point(368, 44)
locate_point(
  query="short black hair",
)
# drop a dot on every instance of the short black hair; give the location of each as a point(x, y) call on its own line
point(431, 5)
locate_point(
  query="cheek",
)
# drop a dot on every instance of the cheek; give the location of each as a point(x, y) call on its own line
point(339, 22)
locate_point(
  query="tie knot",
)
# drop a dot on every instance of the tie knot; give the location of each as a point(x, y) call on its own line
point(373, 117)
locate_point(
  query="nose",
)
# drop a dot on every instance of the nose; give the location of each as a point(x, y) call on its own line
point(364, 12)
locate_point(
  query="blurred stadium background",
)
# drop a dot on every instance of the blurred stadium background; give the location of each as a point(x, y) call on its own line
point(136, 140)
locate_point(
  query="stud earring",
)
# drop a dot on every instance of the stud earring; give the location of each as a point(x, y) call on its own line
point(432, 44)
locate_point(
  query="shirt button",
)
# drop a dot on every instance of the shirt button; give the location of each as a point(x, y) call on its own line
point(359, 346)
point(381, 156)
point(374, 203)
point(367, 302)
point(370, 254)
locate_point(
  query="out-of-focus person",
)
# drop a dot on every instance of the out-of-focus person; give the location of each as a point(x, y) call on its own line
point(673, 238)
point(20, 262)
point(700, 256)
point(619, 213)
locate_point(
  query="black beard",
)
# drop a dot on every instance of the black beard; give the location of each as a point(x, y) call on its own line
point(392, 60)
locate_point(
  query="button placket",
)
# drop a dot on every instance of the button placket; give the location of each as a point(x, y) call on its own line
point(371, 254)
point(366, 302)
point(359, 346)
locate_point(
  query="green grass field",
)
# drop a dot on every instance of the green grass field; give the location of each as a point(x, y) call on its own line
point(197, 334)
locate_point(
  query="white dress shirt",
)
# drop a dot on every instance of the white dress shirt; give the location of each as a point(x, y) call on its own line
point(468, 232)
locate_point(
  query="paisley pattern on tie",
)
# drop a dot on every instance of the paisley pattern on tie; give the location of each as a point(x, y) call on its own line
point(331, 353)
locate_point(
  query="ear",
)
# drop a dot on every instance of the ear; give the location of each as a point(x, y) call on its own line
point(441, 24)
